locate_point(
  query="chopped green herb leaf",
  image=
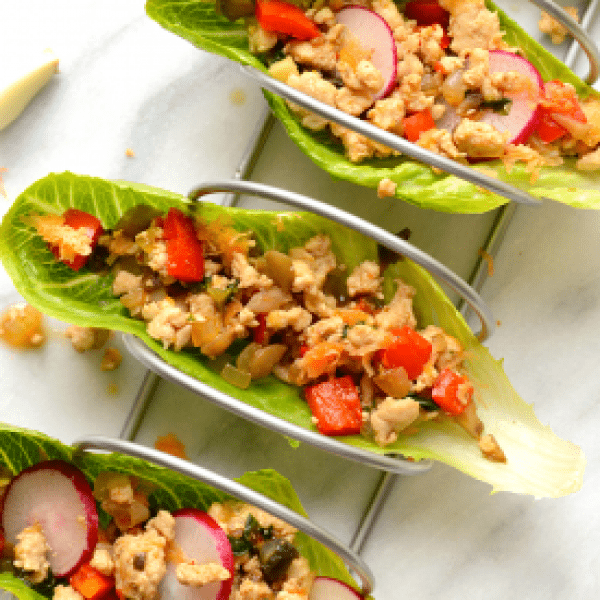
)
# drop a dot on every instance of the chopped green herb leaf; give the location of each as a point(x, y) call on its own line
point(502, 106)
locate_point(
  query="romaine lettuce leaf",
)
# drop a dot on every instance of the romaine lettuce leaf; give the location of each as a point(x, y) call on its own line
point(21, 448)
point(197, 22)
point(539, 463)
point(16, 587)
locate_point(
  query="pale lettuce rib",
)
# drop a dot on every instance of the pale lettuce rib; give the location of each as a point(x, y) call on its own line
point(539, 463)
point(197, 22)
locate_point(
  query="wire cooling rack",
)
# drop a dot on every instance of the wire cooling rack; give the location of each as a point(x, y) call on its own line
point(385, 462)
point(380, 493)
point(238, 490)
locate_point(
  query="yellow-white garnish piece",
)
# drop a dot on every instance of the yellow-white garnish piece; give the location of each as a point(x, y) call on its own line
point(21, 79)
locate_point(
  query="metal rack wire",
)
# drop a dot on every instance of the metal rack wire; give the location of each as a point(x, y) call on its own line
point(388, 479)
point(238, 490)
point(389, 463)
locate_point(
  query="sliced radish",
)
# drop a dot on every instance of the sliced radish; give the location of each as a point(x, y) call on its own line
point(374, 35)
point(524, 112)
point(327, 588)
point(199, 538)
point(56, 495)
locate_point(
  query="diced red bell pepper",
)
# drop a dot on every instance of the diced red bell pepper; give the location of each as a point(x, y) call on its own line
point(90, 583)
point(548, 130)
point(427, 13)
point(75, 218)
point(281, 17)
point(409, 350)
point(185, 253)
point(447, 394)
point(560, 99)
point(178, 224)
point(415, 124)
point(335, 404)
point(258, 333)
point(185, 260)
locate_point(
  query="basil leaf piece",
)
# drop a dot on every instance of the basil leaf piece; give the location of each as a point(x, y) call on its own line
point(84, 298)
point(21, 448)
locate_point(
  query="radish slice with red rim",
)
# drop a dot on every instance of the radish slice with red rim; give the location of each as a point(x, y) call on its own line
point(374, 35)
point(200, 539)
point(327, 588)
point(523, 114)
point(56, 495)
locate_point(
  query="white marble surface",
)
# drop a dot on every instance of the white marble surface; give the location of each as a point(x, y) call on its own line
point(126, 83)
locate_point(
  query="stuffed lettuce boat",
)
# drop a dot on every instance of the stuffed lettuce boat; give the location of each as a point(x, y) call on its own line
point(517, 453)
point(430, 71)
point(131, 529)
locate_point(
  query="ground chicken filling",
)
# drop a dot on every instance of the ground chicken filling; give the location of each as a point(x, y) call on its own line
point(134, 552)
point(441, 67)
point(365, 367)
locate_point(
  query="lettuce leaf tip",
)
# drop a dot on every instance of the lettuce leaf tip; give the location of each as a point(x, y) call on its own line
point(539, 462)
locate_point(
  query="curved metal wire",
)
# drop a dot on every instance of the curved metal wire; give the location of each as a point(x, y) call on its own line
point(390, 463)
point(389, 240)
point(150, 359)
point(578, 32)
point(390, 139)
point(238, 490)
point(585, 23)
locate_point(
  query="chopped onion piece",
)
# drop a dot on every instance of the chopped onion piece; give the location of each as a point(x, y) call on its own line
point(219, 344)
point(245, 356)
point(264, 359)
point(579, 130)
point(279, 268)
point(235, 376)
point(267, 300)
point(454, 89)
point(204, 332)
point(394, 382)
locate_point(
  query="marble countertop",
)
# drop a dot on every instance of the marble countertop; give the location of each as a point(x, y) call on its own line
point(124, 83)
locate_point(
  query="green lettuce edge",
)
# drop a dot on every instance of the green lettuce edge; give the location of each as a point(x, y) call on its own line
point(21, 448)
point(85, 299)
point(198, 23)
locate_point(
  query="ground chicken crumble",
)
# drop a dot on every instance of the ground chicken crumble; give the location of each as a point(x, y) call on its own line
point(436, 68)
point(304, 318)
point(136, 554)
point(553, 28)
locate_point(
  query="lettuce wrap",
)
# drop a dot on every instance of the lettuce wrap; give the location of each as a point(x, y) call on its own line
point(21, 448)
point(197, 22)
point(538, 462)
